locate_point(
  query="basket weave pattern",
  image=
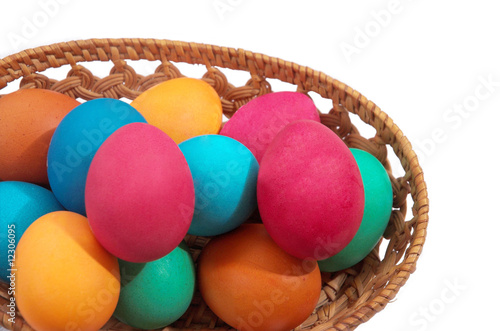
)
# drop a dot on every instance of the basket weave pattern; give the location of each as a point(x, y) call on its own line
point(349, 297)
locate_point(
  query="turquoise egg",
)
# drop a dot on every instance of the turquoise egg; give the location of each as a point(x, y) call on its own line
point(376, 214)
point(225, 180)
point(20, 205)
point(156, 294)
point(75, 142)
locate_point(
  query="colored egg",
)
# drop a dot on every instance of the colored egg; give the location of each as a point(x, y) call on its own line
point(182, 108)
point(256, 123)
point(75, 143)
point(20, 205)
point(65, 280)
point(28, 118)
point(139, 194)
point(225, 180)
point(156, 294)
point(252, 284)
point(377, 211)
point(309, 191)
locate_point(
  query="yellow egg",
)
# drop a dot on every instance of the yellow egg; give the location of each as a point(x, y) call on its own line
point(182, 108)
point(64, 278)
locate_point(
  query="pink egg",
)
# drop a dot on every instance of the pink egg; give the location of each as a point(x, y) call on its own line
point(257, 122)
point(139, 194)
point(309, 191)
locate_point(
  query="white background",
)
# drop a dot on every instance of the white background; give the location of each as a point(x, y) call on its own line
point(433, 66)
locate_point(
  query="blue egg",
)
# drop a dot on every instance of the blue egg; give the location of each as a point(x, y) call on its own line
point(75, 142)
point(20, 205)
point(225, 180)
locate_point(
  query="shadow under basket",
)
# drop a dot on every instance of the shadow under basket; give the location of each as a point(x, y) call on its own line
point(349, 297)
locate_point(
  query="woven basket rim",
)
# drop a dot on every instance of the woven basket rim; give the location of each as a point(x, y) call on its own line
point(38, 59)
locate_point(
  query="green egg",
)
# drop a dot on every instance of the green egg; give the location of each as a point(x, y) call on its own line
point(157, 293)
point(376, 214)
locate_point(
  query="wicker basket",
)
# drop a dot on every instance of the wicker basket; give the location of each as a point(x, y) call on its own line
point(349, 297)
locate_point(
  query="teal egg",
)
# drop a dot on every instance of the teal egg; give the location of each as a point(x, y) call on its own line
point(156, 294)
point(225, 180)
point(20, 205)
point(376, 214)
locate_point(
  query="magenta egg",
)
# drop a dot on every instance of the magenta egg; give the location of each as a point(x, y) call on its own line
point(257, 122)
point(309, 191)
point(139, 194)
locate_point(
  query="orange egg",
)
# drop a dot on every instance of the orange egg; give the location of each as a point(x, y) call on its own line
point(182, 108)
point(64, 278)
point(28, 118)
point(252, 284)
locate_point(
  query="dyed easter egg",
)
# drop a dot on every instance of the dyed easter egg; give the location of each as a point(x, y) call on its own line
point(377, 211)
point(252, 284)
point(139, 194)
point(310, 191)
point(225, 180)
point(20, 205)
point(28, 118)
point(65, 280)
point(75, 143)
point(156, 294)
point(182, 108)
point(257, 122)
